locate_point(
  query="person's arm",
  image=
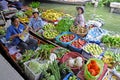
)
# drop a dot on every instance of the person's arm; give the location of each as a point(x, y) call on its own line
point(30, 25)
point(82, 21)
point(9, 35)
point(76, 21)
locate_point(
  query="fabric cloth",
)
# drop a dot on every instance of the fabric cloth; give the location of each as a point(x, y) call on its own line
point(4, 5)
point(79, 20)
point(12, 30)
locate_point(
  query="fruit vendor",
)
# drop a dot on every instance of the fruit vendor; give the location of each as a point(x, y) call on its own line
point(15, 31)
point(79, 20)
point(36, 23)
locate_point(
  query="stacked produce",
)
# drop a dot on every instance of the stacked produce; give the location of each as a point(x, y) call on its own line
point(78, 43)
point(64, 24)
point(50, 34)
point(93, 69)
point(111, 41)
point(49, 26)
point(37, 67)
point(44, 51)
point(2, 30)
point(55, 71)
point(70, 76)
point(23, 18)
point(75, 62)
point(28, 55)
point(67, 37)
point(81, 31)
point(112, 57)
point(93, 49)
point(51, 15)
point(59, 51)
point(35, 4)
point(49, 31)
point(73, 78)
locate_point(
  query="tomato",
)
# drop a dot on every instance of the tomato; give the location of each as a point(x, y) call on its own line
point(92, 72)
point(93, 62)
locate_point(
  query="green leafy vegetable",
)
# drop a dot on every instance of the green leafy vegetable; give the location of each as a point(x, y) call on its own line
point(64, 24)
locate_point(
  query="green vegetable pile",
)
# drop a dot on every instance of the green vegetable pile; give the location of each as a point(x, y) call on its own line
point(28, 55)
point(64, 24)
point(94, 49)
point(35, 4)
point(2, 31)
point(50, 34)
point(73, 77)
point(55, 71)
point(49, 26)
point(37, 67)
point(44, 51)
point(60, 52)
point(111, 41)
point(115, 57)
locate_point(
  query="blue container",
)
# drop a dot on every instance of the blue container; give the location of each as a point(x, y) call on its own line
point(67, 76)
point(65, 44)
point(72, 48)
point(97, 42)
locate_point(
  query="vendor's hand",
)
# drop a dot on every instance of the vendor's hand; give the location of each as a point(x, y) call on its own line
point(19, 35)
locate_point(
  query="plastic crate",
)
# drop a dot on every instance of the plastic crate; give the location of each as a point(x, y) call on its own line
point(65, 44)
point(74, 48)
point(68, 76)
point(30, 74)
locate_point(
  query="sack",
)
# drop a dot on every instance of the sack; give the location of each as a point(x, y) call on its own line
point(88, 75)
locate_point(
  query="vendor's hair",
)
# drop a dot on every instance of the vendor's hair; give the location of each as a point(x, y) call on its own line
point(35, 12)
point(77, 8)
point(13, 19)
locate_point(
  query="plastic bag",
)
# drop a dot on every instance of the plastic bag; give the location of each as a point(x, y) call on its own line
point(87, 74)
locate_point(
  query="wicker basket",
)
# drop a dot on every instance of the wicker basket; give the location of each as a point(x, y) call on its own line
point(81, 31)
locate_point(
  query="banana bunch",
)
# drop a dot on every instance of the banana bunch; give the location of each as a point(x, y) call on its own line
point(109, 60)
point(24, 19)
point(51, 15)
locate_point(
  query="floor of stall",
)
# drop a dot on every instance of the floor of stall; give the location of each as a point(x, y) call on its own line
point(7, 72)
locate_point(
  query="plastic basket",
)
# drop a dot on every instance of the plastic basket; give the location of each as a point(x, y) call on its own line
point(73, 55)
point(65, 44)
point(73, 48)
point(31, 75)
point(68, 75)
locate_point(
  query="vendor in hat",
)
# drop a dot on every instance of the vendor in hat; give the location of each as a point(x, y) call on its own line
point(36, 23)
point(79, 20)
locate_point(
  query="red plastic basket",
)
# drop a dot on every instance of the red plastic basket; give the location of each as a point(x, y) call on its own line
point(73, 55)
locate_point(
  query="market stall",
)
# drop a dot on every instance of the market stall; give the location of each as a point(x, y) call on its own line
point(67, 52)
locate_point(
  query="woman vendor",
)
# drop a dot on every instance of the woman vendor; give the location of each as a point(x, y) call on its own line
point(15, 31)
point(79, 20)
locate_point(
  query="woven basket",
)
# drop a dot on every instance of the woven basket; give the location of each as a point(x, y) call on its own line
point(81, 31)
